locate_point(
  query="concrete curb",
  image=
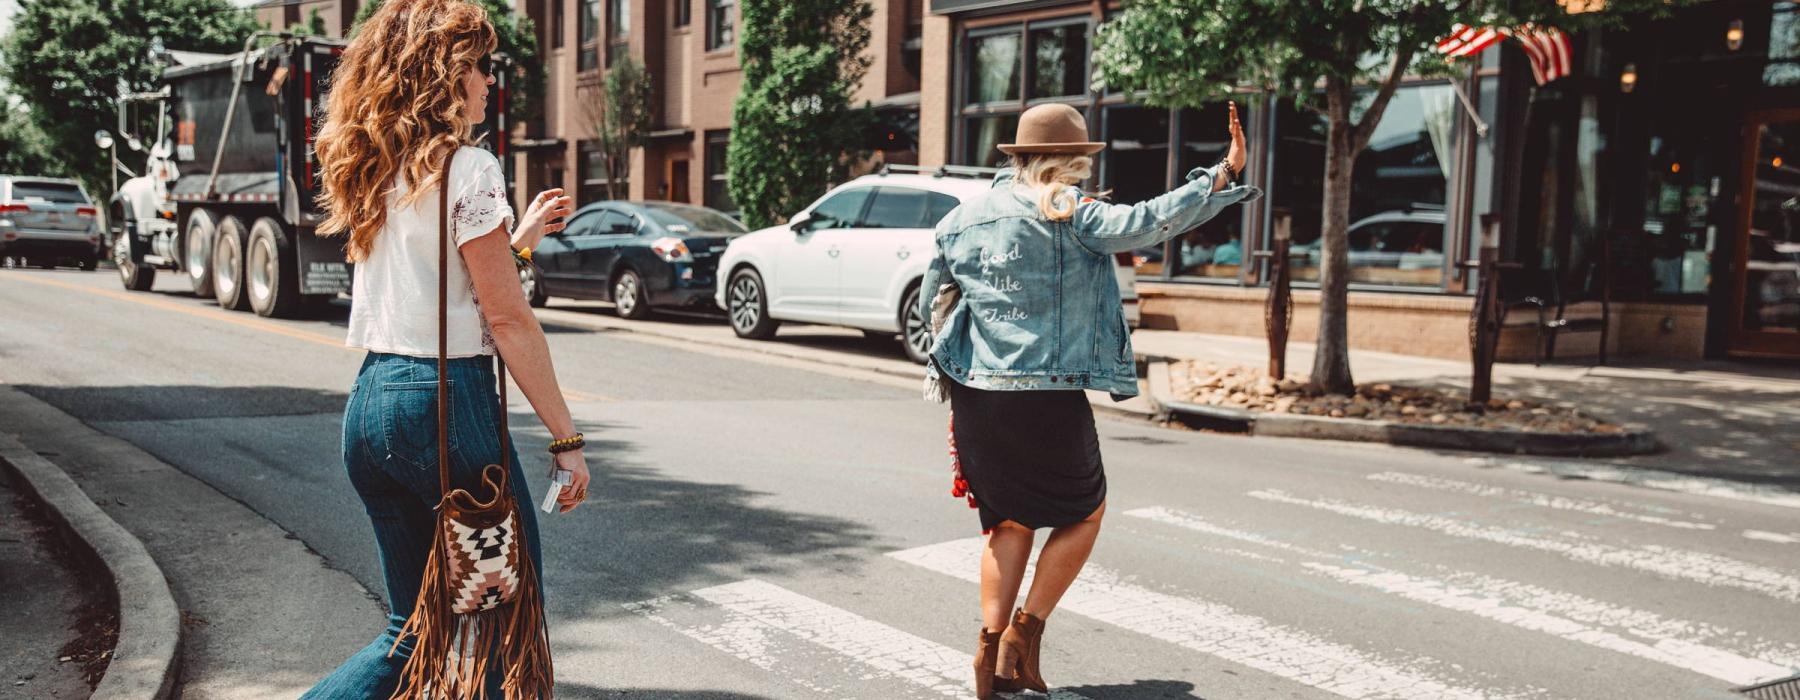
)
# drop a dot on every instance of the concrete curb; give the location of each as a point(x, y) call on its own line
point(1636, 441)
point(143, 664)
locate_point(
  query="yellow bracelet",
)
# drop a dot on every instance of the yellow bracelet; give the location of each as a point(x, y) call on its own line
point(568, 444)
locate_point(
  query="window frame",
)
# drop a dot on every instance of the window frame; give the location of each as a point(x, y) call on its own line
point(683, 14)
point(587, 59)
point(618, 31)
point(722, 139)
point(966, 111)
point(721, 17)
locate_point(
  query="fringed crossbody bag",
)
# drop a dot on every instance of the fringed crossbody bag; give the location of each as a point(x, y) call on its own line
point(480, 600)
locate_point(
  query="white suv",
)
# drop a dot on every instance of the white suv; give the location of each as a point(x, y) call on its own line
point(855, 258)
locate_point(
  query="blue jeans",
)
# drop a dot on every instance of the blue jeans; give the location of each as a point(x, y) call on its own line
point(391, 452)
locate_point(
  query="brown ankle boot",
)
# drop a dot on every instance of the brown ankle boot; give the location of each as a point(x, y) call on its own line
point(985, 656)
point(1019, 647)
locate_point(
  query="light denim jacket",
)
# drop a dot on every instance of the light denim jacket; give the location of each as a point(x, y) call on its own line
point(1040, 305)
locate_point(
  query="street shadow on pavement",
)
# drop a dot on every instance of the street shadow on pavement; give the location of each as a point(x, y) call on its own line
point(169, 403)
point(644, 534)
point(565, 689)
point(1137, 690)
point(1740, 431)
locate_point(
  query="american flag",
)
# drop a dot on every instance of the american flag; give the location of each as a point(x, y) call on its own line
point(1465, 40)
point(1547, 47)
point(1549, 50)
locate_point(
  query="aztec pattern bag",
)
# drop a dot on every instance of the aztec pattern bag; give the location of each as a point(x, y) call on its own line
point(480, 599)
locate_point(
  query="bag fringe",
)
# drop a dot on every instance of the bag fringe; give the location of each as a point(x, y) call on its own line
point(451, 652)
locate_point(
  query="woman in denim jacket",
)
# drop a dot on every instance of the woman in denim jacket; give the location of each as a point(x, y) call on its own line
point(1026, 314)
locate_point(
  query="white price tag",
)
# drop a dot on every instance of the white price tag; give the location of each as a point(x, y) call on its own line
point(558, 480)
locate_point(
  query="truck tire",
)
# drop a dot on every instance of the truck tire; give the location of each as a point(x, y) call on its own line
point(271, 270)
point(121, 224)
point(197, 250)
point(228, 264)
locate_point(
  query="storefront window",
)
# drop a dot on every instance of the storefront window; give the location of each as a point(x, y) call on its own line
point(983, 134)
point(1215, 249)
point(1059, 61)
point(1397, 194)
point(994, 68)
point(1771, 292)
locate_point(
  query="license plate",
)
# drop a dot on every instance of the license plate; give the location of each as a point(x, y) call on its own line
point(54, 217)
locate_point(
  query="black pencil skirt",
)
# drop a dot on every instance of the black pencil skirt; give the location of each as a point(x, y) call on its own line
point(1031, 457)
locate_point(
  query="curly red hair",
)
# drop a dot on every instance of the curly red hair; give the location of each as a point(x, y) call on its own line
point(396, 108)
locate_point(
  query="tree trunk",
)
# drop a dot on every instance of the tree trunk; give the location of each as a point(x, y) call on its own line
point(1331, 361)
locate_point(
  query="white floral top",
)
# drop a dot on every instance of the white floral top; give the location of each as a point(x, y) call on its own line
point(394, 295)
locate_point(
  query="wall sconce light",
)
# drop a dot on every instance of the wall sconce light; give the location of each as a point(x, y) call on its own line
point(1628, 78)
point(1734, 35)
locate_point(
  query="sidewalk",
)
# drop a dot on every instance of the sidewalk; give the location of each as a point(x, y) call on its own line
point(1714, 418)
point(55, 610)
point(262, 615)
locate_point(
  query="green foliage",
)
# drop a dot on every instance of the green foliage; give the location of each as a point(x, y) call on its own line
point(67, 59)
point(315, 25)
point(620, 114)
point(24, 149)
point(793, 127)
point(517, 38)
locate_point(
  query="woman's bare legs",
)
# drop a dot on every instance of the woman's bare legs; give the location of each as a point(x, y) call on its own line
point(1065, 553)
point(1002, 570)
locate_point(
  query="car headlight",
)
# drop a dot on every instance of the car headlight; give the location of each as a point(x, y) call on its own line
point(672, 249)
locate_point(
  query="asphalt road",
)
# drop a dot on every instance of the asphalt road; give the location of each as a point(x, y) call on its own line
point(765, 527)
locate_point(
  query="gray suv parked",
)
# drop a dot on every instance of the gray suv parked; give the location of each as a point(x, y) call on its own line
point(48, 221)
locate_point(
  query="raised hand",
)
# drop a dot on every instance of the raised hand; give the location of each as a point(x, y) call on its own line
point(1238, 154)
point(548, 213)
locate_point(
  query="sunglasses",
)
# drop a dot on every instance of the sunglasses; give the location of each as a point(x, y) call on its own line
point(485, 65)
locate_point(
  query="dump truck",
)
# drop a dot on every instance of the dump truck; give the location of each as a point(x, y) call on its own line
point(226, 195)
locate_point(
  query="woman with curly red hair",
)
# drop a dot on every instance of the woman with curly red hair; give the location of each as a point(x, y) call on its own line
point(397, 132)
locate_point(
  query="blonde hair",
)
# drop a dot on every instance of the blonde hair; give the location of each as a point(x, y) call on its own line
point(1051, 175)
point(396, 108)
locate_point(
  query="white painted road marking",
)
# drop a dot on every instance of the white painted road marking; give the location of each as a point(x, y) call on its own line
point(1776, 537)
point(1544, 500)
point(1650, 478)
point(1728, 655)
point(759, 615)
point(1668, 562)
point(1218, 630)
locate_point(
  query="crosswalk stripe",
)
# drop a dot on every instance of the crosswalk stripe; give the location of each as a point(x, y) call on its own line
point(758, 613)
point(1218, 630)
point(1652, 479)
point(1776, 537)
point(1668, 562)
point(1644, 634)
point(1544, 500)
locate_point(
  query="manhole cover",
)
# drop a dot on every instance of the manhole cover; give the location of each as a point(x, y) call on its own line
point(1784, 689)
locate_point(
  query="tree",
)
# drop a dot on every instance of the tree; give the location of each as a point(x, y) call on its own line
point(69, 59)
point(315, 25)
point(24, 149)
point(619, 111)
point(1340, 58)
point(793, 127)
point(517, 38)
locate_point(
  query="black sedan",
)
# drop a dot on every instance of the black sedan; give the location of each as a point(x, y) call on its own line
point(637, 255)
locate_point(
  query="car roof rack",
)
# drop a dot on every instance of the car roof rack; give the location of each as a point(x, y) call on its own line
point(940, 171)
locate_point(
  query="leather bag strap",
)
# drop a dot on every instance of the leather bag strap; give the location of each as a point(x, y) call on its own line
point(443, 387)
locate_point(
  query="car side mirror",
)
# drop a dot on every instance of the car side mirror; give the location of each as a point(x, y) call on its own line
point(801, 224)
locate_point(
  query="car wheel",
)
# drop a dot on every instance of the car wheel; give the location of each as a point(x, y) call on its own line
point(228, 265)
point(915, 332)
point(197, 251)
point(748, 306)
point(529, 282)
point(630, 296)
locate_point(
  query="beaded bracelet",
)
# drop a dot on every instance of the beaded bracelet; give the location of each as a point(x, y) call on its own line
point(568, 444)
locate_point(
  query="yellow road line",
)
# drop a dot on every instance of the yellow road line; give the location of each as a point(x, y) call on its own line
point(238, 319)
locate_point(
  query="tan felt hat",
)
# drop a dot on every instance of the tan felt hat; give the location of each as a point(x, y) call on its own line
point(1052, 128)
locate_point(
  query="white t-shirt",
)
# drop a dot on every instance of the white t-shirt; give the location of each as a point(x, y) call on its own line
point(393, 306)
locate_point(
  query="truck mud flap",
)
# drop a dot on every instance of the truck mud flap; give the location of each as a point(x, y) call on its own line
point(322, 266)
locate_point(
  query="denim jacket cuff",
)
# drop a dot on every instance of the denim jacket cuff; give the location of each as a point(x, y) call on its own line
point(1237, 192)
